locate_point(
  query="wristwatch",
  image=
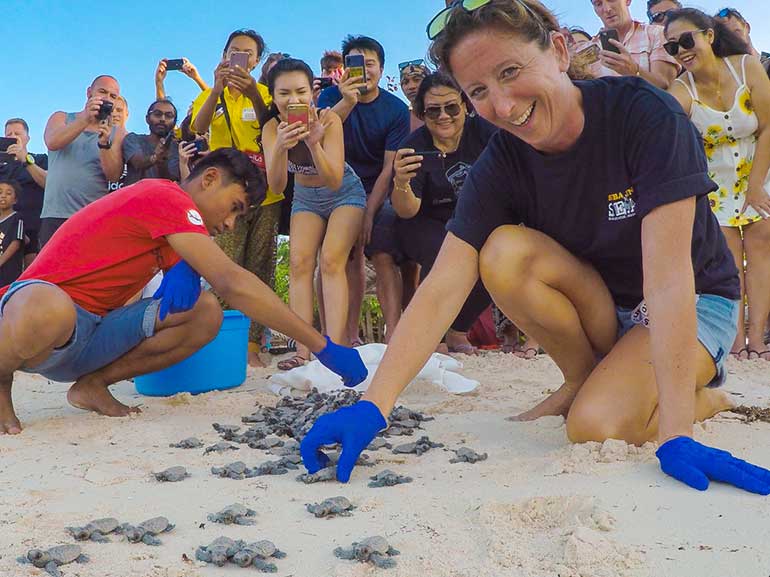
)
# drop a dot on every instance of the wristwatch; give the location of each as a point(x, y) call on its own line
point(29, 159)
point(104, 146)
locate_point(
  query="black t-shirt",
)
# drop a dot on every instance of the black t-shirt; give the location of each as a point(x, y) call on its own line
point(439, 189)
point(30, 201)
point(638, 151)
point(11, 230)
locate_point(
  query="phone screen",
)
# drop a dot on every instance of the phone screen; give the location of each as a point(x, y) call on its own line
point(239, 59)
point(325, 82)
point(605, 36)
point(298, 113)
point(354, 63)
point(587, 55)
point(432, 160)
point(4, 144)
point(174, 64)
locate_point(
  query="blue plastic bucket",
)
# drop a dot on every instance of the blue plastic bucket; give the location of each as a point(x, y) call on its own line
point(219, 365)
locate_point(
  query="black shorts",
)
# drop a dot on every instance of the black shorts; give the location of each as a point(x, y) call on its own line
point(384, 237)
point(48, 226)
point(32, 247)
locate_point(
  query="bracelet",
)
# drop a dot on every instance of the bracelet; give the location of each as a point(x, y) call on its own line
point(404, 188)
point(104, 146)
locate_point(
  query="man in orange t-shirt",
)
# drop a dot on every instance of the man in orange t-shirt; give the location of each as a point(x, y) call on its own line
point(65, 318)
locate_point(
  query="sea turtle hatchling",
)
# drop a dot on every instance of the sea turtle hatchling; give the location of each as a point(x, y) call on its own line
point(95, 530)
point(218, 552)
point(327, 474)
point(235, 514)
point(466, 455)
point(256, 555)
point(376, 550)
point(422, 445)
point(236, 470)
point(172, 475)
point(147, 531)
point(388, 478)
point(188, 443)
point(332, 507)
point(220, 447)
point(51, 559)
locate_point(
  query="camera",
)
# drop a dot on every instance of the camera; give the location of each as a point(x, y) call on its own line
point(105, 110)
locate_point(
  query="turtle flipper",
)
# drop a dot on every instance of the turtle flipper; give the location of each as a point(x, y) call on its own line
point(151, 540)
point(53, 569)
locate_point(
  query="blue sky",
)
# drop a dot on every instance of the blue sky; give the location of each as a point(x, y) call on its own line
point(57, 46)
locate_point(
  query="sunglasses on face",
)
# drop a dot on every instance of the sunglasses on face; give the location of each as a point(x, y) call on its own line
point(434, 112)
point(414, 63)
point(439, 21)
point(659, 17)
point(686, 41)
point(159, 114)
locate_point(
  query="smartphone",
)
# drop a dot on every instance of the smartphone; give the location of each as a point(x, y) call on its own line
point(325, 82)
point(4, 144)
point(604, 37)
point(355, 65)
point(587, 54)
point(239, 59)
point(298, 113)
point(174, 64)
point(432, 160)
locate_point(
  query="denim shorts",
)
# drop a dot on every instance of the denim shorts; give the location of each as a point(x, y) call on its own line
point(717, 326)
point(323, 201)
point(96, 341)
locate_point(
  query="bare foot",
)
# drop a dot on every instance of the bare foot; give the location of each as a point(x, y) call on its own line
point(458, 342)
point(255, 360)
point(90, 394)
point(9, 422)
point(557, 403)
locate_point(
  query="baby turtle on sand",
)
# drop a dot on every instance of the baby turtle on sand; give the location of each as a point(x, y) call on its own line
point(466, 455)
point(147, 531)
point(333, 507)
point(51, 559)
point(372, 549)
point(279, 467)
point(218, 552)
point(95, 530)
point(220, 447)
point(379, 443)
point(388, 478)
point(235, 514)
point(422, 445)
point(172, 475)
point(256, 555)
point(237, 470)
point(188, 443)
point(266, 443)
point(327, 474)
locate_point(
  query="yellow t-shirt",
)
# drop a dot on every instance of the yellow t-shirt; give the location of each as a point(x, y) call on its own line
point(246, 130)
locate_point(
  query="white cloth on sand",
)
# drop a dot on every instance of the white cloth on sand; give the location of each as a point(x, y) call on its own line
point(439, 370)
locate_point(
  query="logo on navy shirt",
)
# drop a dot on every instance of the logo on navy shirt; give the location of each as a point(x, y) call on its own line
point(621, 205)
point(457, 175)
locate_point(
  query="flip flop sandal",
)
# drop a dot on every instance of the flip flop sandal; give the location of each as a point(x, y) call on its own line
point(292, 363)
point(759, 354)
point(738, 354)
point(525, 353)
point(463, 349)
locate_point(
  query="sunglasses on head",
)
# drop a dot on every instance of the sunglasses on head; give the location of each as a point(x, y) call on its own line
point(407, 64)
point(434, 112)
point(439, 21)
point(727, 12)
point(686, 41)
point(659, 17)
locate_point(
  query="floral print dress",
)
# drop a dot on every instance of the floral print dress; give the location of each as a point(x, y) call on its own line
point(729, 139)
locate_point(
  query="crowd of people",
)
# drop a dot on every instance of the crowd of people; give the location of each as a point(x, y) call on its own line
point(486, 189)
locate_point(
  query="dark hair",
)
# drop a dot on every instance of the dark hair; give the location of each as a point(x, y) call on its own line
point(186, 129)
point(579, 30)
point(332, 58)
point(13, 184)
point(251, 34)
point(528, 19)
point(288, 65)
point(651, 3)
point(18, 121)
point(363, 43)
point(271, 59)
point(431, 81)
point(726, 42)
point(163, 101)
point(238, 168)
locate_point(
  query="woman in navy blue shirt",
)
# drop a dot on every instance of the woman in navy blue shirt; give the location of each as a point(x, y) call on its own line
point(620, 258)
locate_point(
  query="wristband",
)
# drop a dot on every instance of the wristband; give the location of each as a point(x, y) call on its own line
point(104, 146)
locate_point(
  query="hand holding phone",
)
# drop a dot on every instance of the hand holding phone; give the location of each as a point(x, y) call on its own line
point(356, 68)
point(432, 160)
point(239, 59)
point(324, 82)
point(298, 113)
point(6, 156)
point(605, 36)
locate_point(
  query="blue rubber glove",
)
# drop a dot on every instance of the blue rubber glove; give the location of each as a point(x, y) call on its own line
point(695, 464)
point(179, 290)
point(344, 361)
point(353, 427)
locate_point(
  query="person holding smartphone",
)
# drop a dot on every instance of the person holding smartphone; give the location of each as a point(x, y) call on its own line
point(727, 94)
point(232, 112)
point(590, 236)
point(426, 186)
point(329, 198)
point(153, 155)
point(184, 66)
point(629, 47)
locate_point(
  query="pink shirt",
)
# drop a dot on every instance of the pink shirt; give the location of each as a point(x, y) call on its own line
point(645, 44)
